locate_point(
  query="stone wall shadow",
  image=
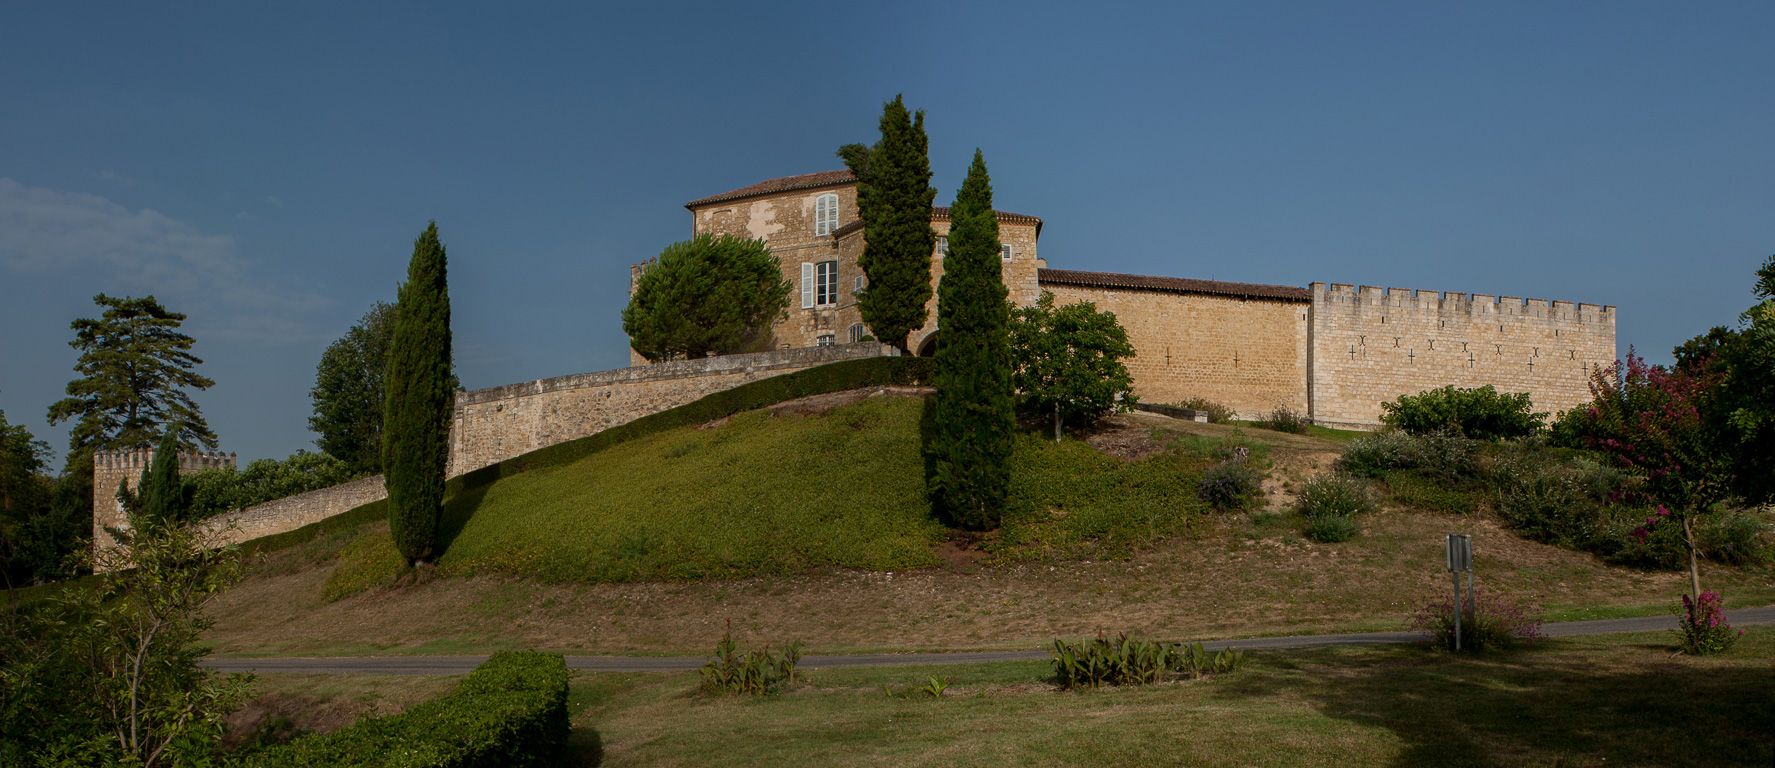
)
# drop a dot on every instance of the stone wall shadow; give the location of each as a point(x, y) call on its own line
point(1540, 708)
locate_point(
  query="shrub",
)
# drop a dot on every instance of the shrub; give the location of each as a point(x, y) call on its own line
point(1130, 661)
point(1217, 413)
point(511, 711)
point(1284, 419)
point(1412, 489)
point(1331, 529)
point(1733, 537)
point(214, 491)
point(754, 673)
point(1230, 485)
point(1444, 456)
point(1332, 494)
point(1480, 414)
point(1702, 626)
point(1490, 623)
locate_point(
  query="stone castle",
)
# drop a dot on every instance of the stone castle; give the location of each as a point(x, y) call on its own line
point(1332, 352)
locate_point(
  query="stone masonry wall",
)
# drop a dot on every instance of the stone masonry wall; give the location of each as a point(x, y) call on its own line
point(110, 468)
point(1247, 354)
point(1372, 345)
point(290, 513)
point(491, 425)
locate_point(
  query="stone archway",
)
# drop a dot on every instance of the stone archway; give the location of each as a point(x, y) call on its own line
point(928, 347)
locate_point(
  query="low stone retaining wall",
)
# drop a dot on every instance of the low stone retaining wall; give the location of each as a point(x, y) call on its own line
point(292, 512)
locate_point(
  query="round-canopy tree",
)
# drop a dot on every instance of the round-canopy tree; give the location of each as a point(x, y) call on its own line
point(1069, 361)
point(707, 296)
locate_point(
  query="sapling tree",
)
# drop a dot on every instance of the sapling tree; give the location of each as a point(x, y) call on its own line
point(1069, 361)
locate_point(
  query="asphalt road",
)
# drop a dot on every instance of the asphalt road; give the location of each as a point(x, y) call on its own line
point(460, 665)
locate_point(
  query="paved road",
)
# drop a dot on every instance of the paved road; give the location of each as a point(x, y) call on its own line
point(458, 665)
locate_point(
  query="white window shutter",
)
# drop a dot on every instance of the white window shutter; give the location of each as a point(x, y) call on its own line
point(1004, 252)
point(807, 285)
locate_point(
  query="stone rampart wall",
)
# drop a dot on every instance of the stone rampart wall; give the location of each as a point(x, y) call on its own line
point(1247, 354)
point(492, 425)
point(111, 468)
point(290, 513)
point(1372, 345)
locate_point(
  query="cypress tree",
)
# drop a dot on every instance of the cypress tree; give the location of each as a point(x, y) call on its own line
point(416, 419)
point(894, 195)
point(971, 428)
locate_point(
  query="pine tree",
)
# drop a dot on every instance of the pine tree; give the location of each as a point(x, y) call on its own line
point(972, 425)
point(136, 367)
point(894, 195)
point(707, 296)
point(416, 419)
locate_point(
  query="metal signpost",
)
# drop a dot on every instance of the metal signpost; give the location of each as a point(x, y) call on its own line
point(1460, 558)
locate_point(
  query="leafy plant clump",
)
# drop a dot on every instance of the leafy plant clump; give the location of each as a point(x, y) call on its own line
point(1217, 413)
point(1702, 626)
point(753, 673)
point(1330, 503)
point(1444, 457)
point(511, 711)
point(1285, 419)
point(1230, 485)
point(1331, 529)
point(1492, 622)
point(1479, 414)
point(1130, 661)
point(935, 687)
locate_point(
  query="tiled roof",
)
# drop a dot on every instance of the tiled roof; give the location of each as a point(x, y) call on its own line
point(785, 184)
point(941, 213)
point(1174, 284)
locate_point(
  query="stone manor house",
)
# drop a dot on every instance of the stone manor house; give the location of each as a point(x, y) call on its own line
point(1333, 352)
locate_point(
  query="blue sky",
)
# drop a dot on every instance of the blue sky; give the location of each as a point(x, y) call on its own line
point(266, 170)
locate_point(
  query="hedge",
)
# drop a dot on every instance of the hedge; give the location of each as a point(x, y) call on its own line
point(511, 711)
point(831, 377)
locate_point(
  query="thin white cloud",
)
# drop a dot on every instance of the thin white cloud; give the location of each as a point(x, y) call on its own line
point(47, 231)
point(272, 199)
point(113, 177)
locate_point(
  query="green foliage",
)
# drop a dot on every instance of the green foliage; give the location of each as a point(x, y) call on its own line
point(1745, 400)
point(25, 499)
point(1335, 494)
point(511, 711)
point(1231, 485)
point(1479, 414)
point(1702, 628)
point(1069, 361)
point(161, 492)
point(211, 492)
point(707, 296)
point(1414, 488)
point(1489, 622)
point(416, 428)
point(753, 673)
point(368, 561)
point(935, 687)
point(1069, 501)
point(349, 392)
point(135, 367)
point(1217, 413)
point(894, 196)
point(1331, 529)
point(107, 674)
point(1444, 457)
point(1285, 419)
point(1131, 661)
point(972, 417)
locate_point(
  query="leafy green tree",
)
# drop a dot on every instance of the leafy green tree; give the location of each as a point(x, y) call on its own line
point(416, 419)
point(135, 368)
point(24, 497)
point(894, 195)
point(214, 491)
point(1747, 394)
point(707, 296)
point(348, 391)
point(1482, 413)
point(1069, 361)
point(973, 420)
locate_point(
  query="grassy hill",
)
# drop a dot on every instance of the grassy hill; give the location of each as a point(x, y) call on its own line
point(765, 493)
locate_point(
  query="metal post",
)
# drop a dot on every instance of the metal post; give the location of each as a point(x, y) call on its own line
point(1457, 575)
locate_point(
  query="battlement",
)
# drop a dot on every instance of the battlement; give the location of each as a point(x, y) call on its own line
point(139, 458)
point(1427, 300)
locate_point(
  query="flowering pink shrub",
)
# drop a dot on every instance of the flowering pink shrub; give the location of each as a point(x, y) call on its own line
point(1703, 626)
point(1491, 622)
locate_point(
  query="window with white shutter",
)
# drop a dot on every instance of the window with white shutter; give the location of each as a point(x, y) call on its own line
point(942, 247)
point(826, 283)
point(825, 214)
point(858, 283)
point(807, 285)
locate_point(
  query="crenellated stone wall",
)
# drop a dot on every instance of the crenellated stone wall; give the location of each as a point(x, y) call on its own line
point(1371, 345)
point(113, 468)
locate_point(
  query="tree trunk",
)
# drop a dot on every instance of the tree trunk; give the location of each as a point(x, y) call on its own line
point(1694, 564)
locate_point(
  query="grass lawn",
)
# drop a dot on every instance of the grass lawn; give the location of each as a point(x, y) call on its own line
point(1598, 701)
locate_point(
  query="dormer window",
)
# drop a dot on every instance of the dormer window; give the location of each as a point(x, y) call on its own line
point(825, 215)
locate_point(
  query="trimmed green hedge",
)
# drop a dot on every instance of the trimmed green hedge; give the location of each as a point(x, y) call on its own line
point(511, 711)
point(831, 377)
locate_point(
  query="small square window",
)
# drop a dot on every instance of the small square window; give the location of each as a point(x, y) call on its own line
point(825, 340)
point(1004, 252)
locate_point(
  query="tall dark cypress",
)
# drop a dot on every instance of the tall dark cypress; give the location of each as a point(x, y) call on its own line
point(416, 420)
point(970, 431)
point(894, 196)
point(161, 492)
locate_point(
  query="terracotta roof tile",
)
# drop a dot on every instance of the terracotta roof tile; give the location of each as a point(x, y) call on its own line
point(785, 184)
point(1174, 284)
